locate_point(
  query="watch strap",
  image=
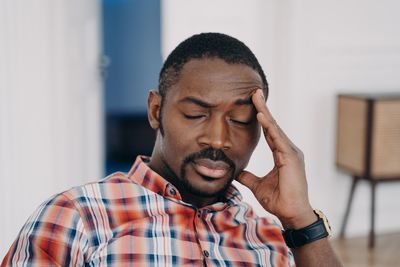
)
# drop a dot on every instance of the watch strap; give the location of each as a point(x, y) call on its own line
point(297, 238)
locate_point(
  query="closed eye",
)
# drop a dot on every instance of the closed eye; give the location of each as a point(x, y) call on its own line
point(193, 117)
point(242, 122)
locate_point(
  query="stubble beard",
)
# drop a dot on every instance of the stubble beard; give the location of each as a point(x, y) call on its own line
point(183, 182)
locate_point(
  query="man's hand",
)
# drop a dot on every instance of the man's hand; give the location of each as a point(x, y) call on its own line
point(283, 191)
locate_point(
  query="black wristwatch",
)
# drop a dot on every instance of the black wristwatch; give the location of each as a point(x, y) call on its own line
point(295, 238)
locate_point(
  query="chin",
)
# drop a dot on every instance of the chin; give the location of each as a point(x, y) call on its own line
point(207, 188)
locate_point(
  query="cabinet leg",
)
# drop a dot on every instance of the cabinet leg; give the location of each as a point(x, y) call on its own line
point(371, 241)
point(350, 200)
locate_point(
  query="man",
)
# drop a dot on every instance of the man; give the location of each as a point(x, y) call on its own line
point(178, 207)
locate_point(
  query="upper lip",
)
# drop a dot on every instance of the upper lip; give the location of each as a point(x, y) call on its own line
point(212, 164)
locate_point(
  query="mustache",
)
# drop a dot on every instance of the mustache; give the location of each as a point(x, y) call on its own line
point(209, 153)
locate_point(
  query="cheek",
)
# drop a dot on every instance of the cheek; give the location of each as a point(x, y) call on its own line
point(177, 141)
point(256, 135)
point(249, 137)
point(245, 143)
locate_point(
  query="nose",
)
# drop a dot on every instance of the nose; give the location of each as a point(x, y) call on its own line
point(216, 134)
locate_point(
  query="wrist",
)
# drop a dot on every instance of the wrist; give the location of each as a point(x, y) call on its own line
point(302, 220)
point(297, 237)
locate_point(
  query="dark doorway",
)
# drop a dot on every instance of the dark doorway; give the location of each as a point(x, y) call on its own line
point(132, 49)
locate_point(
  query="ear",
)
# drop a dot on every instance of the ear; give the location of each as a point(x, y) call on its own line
point(154, 109)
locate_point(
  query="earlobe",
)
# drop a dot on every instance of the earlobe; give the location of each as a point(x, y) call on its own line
point(154, 109)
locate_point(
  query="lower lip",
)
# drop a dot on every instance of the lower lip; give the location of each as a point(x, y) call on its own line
point(212, 173)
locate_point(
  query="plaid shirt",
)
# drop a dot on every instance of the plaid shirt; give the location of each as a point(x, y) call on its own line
point(139, 219)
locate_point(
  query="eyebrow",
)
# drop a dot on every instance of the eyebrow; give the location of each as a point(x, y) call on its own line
point(204, 104)
point(199, 102)
point(244, 101)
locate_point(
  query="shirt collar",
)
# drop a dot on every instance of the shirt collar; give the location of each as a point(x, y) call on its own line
point(141, 174)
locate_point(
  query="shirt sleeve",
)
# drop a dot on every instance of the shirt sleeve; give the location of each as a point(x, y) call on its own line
point(291, 259)
point(52, 236)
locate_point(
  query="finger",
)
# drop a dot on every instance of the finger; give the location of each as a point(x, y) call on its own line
point(249, 180)
point(271, 128)
point(259, 103)
point(269, 140)
point(261, 107)
point(264, 116)
point(274, 137)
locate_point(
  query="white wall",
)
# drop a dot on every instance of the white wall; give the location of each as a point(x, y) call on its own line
point(311, 50)
point(50, 100)
point(50, 104)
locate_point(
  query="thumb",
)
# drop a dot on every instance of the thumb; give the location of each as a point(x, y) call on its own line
point(248, 179)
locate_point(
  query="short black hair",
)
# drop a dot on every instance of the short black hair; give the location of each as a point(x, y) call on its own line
point(207, 45)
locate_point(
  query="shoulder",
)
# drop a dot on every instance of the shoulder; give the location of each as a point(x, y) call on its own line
point(68, 226)
point(76, 209)
point(102, 194)
point(49, 235)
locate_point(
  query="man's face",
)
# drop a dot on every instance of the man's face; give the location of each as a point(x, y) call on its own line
point(209, 125)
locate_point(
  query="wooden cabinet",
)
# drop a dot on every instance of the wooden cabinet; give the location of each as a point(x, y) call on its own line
point(368, 135)
point(368, 142)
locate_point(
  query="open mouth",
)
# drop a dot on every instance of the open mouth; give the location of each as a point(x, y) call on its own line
point(210, 168)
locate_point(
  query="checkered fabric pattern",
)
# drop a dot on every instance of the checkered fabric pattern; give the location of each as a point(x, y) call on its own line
point(139, 219)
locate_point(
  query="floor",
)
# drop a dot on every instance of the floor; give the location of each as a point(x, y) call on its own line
point(354, 252)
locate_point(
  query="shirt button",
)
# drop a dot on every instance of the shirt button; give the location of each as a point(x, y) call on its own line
point(172, 192)
point(206, 253)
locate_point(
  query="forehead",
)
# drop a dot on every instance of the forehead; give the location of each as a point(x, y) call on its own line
point(214, 78)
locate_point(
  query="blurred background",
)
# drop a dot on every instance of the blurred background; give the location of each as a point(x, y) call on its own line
point(74, 79)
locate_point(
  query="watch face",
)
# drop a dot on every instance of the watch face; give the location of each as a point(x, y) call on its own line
point(325, 220)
